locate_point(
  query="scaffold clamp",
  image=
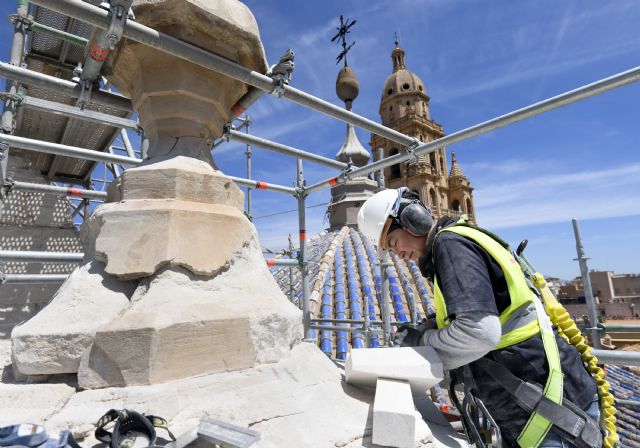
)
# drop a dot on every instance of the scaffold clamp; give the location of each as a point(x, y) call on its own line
point(4, 148)
point(281, 72)
point(118, 10)
point(226, 131)
point(26, 22)
point(411, 150)
point(5, 187)
point(85, 93)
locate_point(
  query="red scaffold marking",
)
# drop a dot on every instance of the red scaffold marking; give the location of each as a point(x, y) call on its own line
point(261, 185)
point(271, 262)
point(333, 181)
point(237, 109)
point(75, 192)
point(98, 53)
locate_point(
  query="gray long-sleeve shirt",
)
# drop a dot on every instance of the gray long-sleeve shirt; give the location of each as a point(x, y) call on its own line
point(470, 336)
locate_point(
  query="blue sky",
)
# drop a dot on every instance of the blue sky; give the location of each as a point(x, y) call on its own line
point(478, 60)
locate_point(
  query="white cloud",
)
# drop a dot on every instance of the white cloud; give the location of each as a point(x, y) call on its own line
point(560, 197)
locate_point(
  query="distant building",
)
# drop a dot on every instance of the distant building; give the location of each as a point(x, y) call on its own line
point(615, 288)
point(404, 106)
point(617, 295)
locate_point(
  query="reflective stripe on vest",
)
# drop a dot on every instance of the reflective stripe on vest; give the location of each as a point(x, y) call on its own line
point(522, 319)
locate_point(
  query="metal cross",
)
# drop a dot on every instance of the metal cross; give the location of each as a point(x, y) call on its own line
point(343, 30)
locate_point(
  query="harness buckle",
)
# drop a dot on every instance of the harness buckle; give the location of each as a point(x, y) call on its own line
point(529, 395)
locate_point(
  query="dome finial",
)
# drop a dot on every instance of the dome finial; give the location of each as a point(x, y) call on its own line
point(397, 55)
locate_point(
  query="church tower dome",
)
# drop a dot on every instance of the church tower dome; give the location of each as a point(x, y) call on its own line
point(403, 91)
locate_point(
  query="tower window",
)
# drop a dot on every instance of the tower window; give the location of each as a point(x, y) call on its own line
point(420, 88)
point(408, 103)
point(389, 92)
point(455, 206)
point(391, 108)
point(395, 169)
point(405, 86)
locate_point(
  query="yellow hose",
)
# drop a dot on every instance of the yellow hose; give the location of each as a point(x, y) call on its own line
point(568, 330)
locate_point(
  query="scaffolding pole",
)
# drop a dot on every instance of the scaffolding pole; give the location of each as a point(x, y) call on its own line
point(32, 278)
point(284, 149)
point(258, 185)
point(304, 266)
point(380, 173)
point(65, 87)
point(588, 292)
point(283, 262)
point(58, 34)
point(127, 143)
point(7, 122)
point(65, 150)
point(617, 357)
point(66, 191)
point(549, 104)
point(247, 153)
point(171, 45)
point(386, 300)
point(37, 256)
point(291, 274)
point(15, 60)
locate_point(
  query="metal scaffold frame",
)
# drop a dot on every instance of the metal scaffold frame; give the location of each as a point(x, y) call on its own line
point(102, 20)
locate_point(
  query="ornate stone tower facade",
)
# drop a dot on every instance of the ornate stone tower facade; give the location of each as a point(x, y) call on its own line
point(405, 107)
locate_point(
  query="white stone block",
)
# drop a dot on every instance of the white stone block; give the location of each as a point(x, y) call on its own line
point(420, 366)
point(394, 420)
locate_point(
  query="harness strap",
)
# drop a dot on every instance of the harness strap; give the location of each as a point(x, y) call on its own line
point(568, 420)
point(538, 425)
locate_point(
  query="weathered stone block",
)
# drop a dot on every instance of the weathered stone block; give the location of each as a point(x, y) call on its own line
point(54, 340)
point(182, 325)
point(137, 238)
point(181, 178)
point(394, 416)
point(420, 366)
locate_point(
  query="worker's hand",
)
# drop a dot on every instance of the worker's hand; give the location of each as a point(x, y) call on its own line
point(409, 335)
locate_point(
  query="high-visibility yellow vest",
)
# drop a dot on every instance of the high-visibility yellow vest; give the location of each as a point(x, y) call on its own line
point(522, 319)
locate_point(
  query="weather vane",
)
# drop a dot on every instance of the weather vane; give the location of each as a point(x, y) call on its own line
point(342, 36)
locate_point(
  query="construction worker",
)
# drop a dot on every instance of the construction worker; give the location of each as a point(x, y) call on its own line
point(488, 328)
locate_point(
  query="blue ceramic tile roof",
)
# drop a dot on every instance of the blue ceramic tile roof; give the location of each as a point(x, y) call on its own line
point(625, 385)
point(346, 283)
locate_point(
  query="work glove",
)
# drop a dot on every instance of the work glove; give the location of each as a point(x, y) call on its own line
point(410, 335)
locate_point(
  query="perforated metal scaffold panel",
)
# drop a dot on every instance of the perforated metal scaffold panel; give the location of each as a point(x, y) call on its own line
point(55, 57)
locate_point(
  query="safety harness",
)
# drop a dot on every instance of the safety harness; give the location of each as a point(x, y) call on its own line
point(522, 319)
point(128, 426)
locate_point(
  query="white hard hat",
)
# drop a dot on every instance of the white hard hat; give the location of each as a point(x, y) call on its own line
point(373, 217)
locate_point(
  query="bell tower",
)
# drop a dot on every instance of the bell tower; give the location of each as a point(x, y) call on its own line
point(404, 106)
